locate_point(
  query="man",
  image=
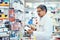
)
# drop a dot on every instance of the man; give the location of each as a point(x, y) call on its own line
point(45, 28)
point(46, 25)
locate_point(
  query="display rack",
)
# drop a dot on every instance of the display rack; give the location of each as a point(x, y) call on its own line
point(18, 6)
point(56, 17)
point(17, 11)
point(4, 7)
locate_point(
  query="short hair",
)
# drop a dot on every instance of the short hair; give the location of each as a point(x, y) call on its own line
point(43, 7)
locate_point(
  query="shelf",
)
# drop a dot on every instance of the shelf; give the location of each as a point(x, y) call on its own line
point(56, 36)
point(4, 7)
point(4, 34)
point(3, 29)
point(57, 32)
point(13, 38)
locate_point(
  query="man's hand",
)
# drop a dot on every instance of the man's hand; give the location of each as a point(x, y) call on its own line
point(30, 31)
point(33, 28)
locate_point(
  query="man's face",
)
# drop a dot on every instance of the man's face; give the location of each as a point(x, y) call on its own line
point(40, 12)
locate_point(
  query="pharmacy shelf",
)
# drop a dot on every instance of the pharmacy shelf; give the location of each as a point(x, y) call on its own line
point(13, 38)
point(4, 7)
point(57, 33)
point(3, 34)
point(3, 30)
point(56, 36)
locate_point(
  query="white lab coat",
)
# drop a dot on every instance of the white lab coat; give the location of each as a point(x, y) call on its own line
point(44, 31)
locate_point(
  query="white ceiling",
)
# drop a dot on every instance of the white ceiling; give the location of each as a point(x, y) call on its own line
point(42, 0)
point(33, 0)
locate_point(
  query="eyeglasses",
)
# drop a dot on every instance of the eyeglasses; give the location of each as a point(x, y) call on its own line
point(39, 11)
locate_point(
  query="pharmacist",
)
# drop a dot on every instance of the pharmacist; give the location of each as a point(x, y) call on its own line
point(45, 22)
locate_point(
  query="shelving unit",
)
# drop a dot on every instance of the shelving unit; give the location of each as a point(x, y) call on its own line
point(17, 12)
point(4, 7)
point(18, 6)
point(56, 23)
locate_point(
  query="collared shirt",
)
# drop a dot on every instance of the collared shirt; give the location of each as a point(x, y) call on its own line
point(44, 31)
